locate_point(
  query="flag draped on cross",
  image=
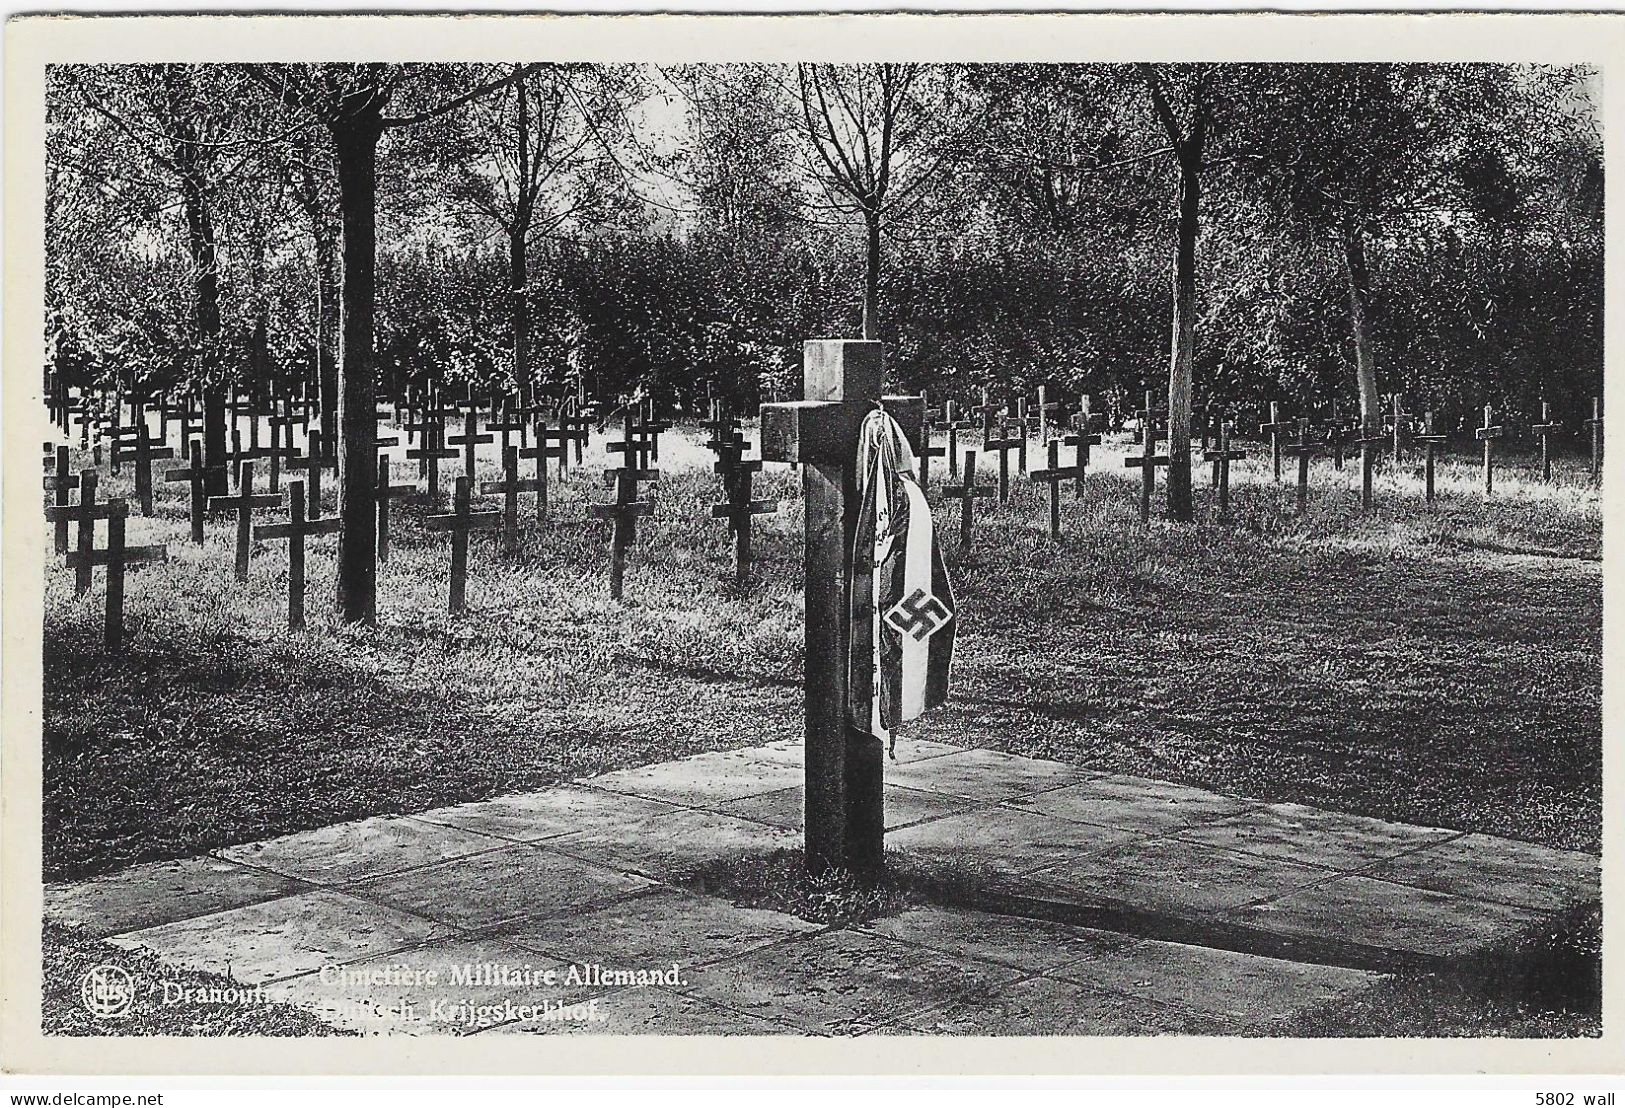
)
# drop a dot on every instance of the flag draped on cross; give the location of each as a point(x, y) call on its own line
point(902, 601)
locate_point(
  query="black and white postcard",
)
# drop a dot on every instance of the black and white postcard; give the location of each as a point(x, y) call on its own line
point(824, 543)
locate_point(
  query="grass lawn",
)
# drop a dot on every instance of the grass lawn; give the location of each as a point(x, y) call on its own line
point(1433, 664)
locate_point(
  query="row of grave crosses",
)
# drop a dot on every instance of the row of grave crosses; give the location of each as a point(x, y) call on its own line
point(640, 445)
point(1403, 432)
point(737, 473)
point(1077, 433)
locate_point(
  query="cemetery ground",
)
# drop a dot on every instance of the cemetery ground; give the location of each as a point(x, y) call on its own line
point(1433, 665)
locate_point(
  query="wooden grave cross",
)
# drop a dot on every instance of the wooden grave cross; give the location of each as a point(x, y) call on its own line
point(431, 432)
point(81, 417)
point(1210, 452)
point(651, 429)
point(967, 492)
point(550, 443)
point(386, 493)
point(623, 514)
point(431, 451)
point(239, 405)
point(845, 821)
point(1400, 422)
point(189, 422)
point(59, 483)
point(116, 557)
point(1042, 412)
point(196, 475)
point(738, 510)
point(1004, 444)
point(295, 531)
point(1273, 429)
point(470, 440)
point(85, 514)
point(460, 521)
point(282, 451)
point(243, 502)
point(165, 406)
point(634, 447)
point(1368, 445)
point(729, 446)
point(109, 428)
point(510, 487)
point(506, 427)
point(1083, 436)
point(1487, 434)
point(1208, 424)
point(1303, 450)
point(1547, 429)
point(1147, 464)
point(1149, 417)
point(1432, 441)
point(1595, 424)
point(314, 461)
point(578, 426)
point(927, 452)
point(953, 424)
point(1336, 435)
point(145, 451)
point(720, 423)
point(1024, 425)
point(385, 415)
point(987, 410)
point(1221, 459)
point(1053, 475)
point(730, 456)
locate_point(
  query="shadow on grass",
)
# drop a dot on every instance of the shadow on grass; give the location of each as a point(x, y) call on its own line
point(183, 745)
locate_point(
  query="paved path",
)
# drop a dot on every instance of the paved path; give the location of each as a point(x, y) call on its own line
point(1084, 903)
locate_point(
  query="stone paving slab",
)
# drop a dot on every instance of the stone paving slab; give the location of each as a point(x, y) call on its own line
point(348, 852)
point(1004, 841)
point(704, 778)
point(1233, 988)
point(454, 987)
point(847, 982)
point(285, 937)
point(1487, 868)
point(651, 1011)
point(583, 873)
point(656, 930)
point(903, 807)
point(162, 892)
point(984, 774)
point(669, 847)
point(1037, 946)
point(1045, 1006)
point(1135, 804)
point(1316, 837)
point(548, 814)
point(484, 890)
point(1392, 917)
point(1170, 876)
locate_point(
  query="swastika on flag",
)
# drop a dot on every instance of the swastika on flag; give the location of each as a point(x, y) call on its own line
point(918, 614)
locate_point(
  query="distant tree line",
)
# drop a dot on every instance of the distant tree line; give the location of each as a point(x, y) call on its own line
point(1225, 232)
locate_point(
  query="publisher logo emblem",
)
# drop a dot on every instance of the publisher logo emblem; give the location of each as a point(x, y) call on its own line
point(107, 991)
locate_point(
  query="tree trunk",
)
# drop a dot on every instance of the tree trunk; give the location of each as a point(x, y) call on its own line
point(356, 147)
point(1365, 364)
point(206, 289)
point(519, 277)
point(327, 325)
point(1183, 358)
point(871, 277)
